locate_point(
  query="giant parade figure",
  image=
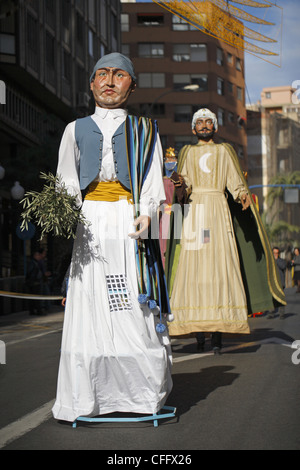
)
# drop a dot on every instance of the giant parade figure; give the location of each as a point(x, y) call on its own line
point(219, 263)
point(115, 354)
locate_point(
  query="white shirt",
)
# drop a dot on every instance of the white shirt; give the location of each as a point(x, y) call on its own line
point(108, 121)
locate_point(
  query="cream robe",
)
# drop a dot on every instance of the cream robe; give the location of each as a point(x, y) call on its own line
point(208, 292)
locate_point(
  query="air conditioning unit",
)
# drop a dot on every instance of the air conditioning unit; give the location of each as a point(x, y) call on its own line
point(83, 100)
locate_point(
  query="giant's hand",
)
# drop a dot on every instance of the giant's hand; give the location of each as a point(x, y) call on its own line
point(245, 201)
point(144, 222)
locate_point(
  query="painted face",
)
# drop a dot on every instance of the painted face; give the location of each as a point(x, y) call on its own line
point(112, 87)
point(204, 128)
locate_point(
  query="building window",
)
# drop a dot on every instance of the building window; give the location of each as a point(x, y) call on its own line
point(181, 80)
point(229, 58)
point(221, 116)
point(230, 88)
point(114, 31)
point(80, 79)
point(181, 52)
point(50, 51)
point(7, 44)
point(66, 21)
point(79, 4)
point(181, 140)
point(231, 117)
point(126, 49)
point(178, 24)
point(103, 19)
point(66, 66)
point(268, 95)
point(151, 50)
point(152, 80)
point(79, 35)
point(92, 11)
point(220, 86)
point(183, 113)
point(190, 52)
point(50, 12)
point(219, 56)
point(32, 42)
point(157, 109)
point(124, 22)
point(238, 64)
point(239, 93)
point(91, 43)
point(150, 20)
point(50, 58)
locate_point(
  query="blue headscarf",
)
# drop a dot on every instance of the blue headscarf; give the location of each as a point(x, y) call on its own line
point(116, 60)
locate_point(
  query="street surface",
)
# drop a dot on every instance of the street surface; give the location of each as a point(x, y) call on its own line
point(246, 398)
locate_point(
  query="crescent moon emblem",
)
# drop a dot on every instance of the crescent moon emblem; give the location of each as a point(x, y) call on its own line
point(203, 163)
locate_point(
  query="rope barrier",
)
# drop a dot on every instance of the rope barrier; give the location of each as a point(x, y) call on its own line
point(18, 295)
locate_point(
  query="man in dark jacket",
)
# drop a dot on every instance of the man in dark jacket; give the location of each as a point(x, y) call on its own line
point(34, 283)
point(281, 264)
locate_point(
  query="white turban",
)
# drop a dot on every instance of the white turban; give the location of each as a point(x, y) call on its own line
point(205, 113)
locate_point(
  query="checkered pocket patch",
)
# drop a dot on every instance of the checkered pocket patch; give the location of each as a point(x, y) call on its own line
point(118, 295)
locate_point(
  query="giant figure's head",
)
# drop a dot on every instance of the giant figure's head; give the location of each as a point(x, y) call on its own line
point(112, 81)
point(204, 124)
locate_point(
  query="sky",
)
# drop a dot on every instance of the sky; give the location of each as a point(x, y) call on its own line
point(258, 72)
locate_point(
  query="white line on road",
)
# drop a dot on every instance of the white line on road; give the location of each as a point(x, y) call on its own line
point(18, 428)
point(10, 343)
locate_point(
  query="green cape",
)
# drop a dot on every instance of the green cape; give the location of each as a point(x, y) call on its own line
point(259, 271)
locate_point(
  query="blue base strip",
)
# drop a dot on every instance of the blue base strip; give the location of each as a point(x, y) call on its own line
point(155, 417)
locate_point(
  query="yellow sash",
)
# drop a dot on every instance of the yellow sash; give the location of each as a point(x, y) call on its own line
point(109, 191)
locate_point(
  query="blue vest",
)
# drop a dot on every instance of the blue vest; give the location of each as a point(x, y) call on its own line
point(89, 139)
point(133, 145)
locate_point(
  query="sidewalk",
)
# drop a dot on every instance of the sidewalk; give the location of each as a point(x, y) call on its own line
point(56, 313)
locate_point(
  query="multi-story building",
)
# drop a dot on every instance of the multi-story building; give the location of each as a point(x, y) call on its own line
point(273, 149)
point(47, 51)
point(172, 58)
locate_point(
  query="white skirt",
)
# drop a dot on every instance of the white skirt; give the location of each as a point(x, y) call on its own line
point(112, 358)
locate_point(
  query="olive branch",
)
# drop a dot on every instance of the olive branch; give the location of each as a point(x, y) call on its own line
point(52, 209)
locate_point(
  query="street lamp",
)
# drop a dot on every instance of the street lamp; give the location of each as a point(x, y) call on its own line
point(191, 87)
point(17, 191)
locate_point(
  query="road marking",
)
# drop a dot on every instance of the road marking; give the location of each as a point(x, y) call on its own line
point(18, 428)
point(10, 343)
point(275, 340)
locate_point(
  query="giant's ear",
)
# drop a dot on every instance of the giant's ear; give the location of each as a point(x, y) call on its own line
point(133, 86)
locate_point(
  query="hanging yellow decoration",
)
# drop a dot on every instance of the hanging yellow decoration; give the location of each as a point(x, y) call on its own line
point(222, 20)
